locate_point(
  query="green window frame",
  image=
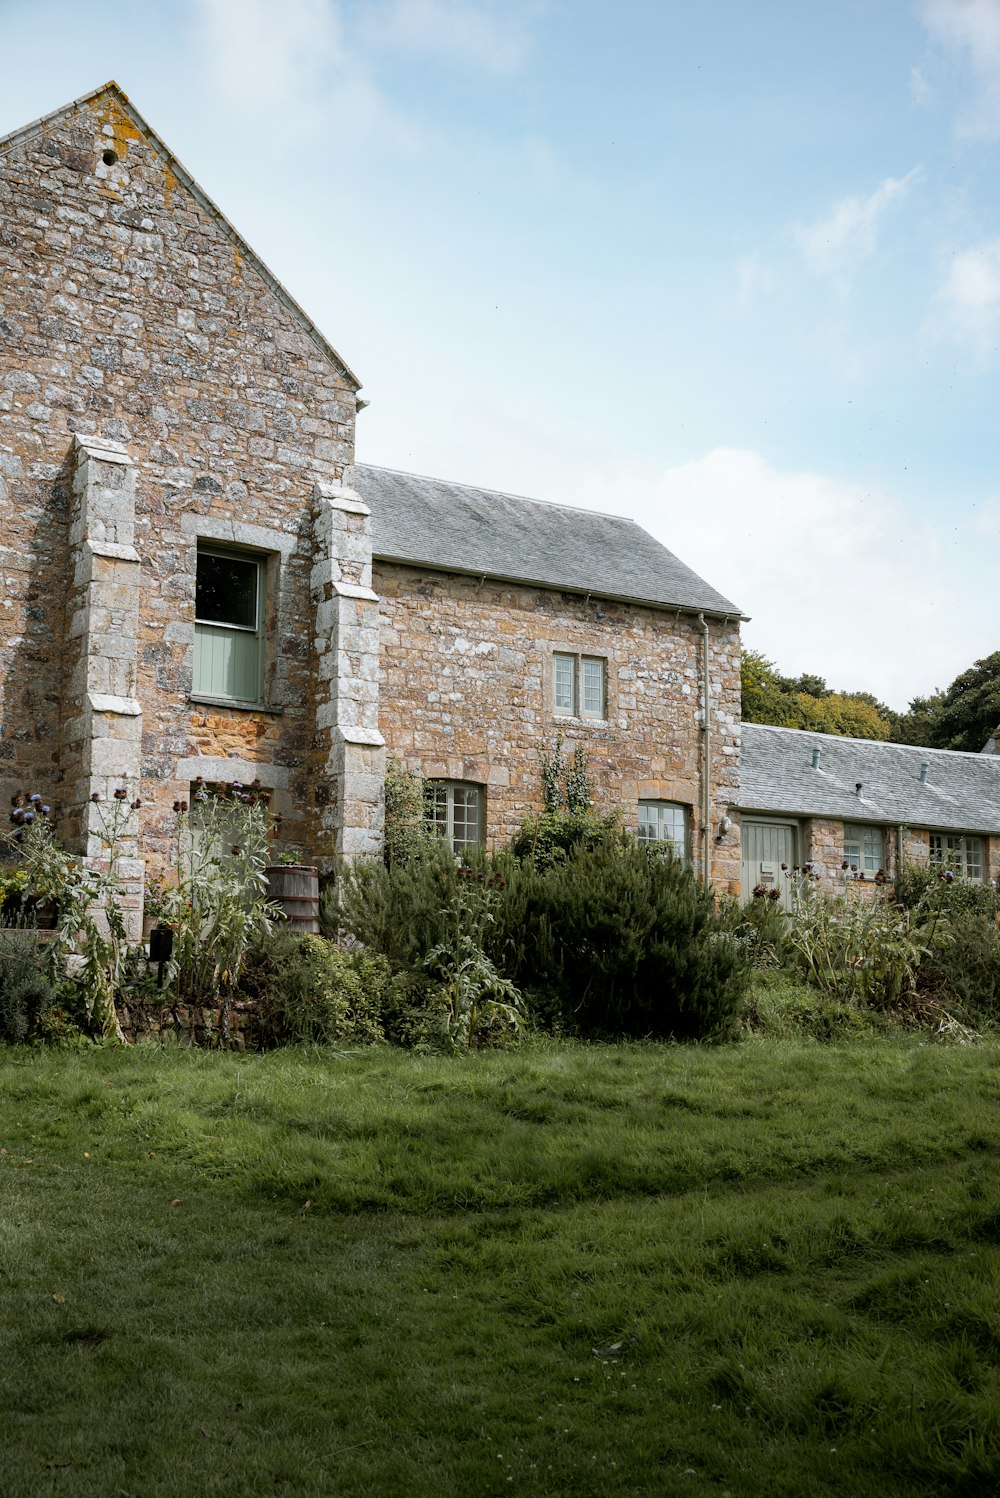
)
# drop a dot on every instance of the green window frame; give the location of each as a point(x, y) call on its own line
point(579, 685)
point(864, 848)
point(960, 852)
point(665, 822)
point(229, 624)
point(454, 810)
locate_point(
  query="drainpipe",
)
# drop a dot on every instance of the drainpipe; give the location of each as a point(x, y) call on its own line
point(706, 792)
point(900, 853)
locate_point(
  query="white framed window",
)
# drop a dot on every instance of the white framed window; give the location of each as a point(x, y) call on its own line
point(454, 810)
point(864, 849)
point(664, 822)
point(579, 685)
point(229, 623)
point(960, 852)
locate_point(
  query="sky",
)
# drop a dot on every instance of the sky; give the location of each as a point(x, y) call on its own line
point(731, 269)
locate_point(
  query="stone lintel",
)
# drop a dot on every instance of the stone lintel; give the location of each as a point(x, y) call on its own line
point(112, 551)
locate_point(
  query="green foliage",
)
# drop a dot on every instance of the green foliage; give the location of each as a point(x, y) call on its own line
point(417, 1012)
point(806, 702)
point(552, 836)
point(305, 990)
point(929, 888)
point(962, 968)
point(26, 993)
point(483, 1006)
point(784, 1007)
point(406, 833)
point(401, 910)
point(759, 927)
point(90, 933)
point(622, 941)
point(968, 711)
point(861, 950)
point(217, 904)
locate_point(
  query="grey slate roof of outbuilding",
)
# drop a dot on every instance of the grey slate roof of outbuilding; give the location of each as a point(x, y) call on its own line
point(962, 791)
point(459, 528)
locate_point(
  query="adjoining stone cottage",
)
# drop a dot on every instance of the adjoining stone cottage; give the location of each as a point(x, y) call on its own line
point(810, 797)
point(197, 581)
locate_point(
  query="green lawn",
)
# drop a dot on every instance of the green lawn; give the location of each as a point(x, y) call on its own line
point(765, 1269)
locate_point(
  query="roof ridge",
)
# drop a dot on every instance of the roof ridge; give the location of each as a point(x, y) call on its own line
point(528, 499)
point(25, 132)
point(844, 738)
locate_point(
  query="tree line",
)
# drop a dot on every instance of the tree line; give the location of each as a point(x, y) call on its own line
point(962, 716)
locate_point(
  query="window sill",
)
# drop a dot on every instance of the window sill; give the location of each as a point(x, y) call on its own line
point(235, 704)
point(578, 718)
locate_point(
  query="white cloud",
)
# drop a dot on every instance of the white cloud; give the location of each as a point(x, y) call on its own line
point(473, 33)
point(265, 59)
point(837, 578)
point(967, 307)
point(835, 244)
point(972, 28)
point(920, 89)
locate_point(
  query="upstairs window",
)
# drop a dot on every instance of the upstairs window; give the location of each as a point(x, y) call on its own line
point(454, 810)
point(960, 852)
point(229, 611)
point(579, 685)
point(864, 849)
point(664, 822)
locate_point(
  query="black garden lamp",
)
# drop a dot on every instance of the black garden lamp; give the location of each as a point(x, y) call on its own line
point(161, 944)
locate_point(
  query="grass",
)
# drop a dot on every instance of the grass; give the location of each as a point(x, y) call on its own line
point(765, 1269)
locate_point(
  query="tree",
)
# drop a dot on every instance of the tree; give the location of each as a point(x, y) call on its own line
point(968, 711)
point(763, 694)
point(807, 702)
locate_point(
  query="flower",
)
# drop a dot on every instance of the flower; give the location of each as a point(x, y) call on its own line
point(784, 867)
point(845, 864)
point(96, 797)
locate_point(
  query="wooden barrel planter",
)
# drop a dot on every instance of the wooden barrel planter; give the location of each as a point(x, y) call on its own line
point(294, 888)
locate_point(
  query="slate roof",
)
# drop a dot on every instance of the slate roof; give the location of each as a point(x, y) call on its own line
point(460, 528)
point(178, 170)
point(962, 791)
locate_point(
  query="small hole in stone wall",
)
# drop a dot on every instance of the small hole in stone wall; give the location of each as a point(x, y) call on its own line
point(109, 157)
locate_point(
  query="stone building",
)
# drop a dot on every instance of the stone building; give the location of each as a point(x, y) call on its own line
point(196, 581)
point(830, 801)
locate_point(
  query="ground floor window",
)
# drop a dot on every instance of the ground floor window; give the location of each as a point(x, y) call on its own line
point(960, 852)
point(864, 849)
point(454, 810)
point(664, 822)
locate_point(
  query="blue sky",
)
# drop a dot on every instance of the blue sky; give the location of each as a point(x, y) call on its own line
point(732, 269)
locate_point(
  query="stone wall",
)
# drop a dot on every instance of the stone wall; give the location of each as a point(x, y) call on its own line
point(130, 312)
point(466, 695)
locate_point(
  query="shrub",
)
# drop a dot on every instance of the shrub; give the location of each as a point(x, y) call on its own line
point(218, 904)
point(483, 1006)
point(406, 832)
point(621, 940)
point(963, 966)
point(865, 951)
point(552, 836)
point(406, 909)
point(26, 994)
point(759, 928)
point(784, 1007)
point(307, 991)
point(928, 887)
point(416, 1012)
